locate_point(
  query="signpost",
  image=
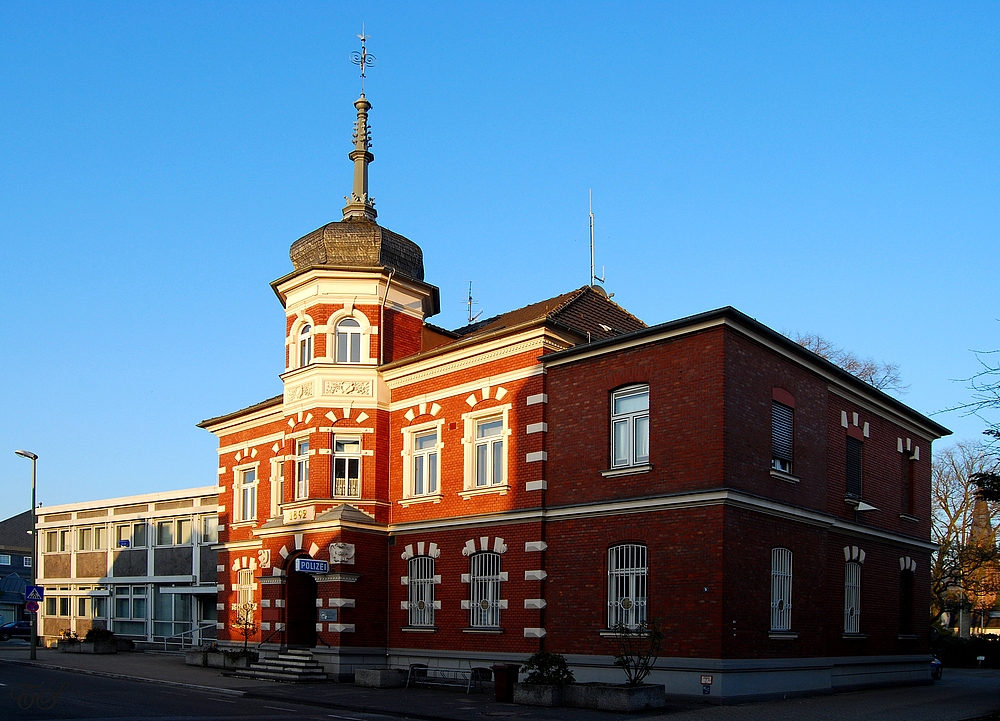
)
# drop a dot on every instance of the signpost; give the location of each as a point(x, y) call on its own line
point(311, 565)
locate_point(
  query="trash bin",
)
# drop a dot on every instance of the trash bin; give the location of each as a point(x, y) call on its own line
point(504, 678)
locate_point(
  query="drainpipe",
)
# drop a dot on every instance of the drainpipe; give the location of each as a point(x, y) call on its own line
point(381, 318)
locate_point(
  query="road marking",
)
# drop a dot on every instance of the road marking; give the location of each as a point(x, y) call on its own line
point(352, 718)
point(278, 708)
point(223, 700)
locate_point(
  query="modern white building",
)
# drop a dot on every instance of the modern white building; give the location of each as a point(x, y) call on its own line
point(143, 566)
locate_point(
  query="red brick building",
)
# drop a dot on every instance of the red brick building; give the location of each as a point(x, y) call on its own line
point(529, 481)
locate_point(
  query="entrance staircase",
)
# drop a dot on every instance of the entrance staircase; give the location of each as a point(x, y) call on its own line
point(292, 666)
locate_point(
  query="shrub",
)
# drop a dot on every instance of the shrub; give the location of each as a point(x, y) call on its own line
point(549, 669)
point(638, 649)
point(99, 634)
point(957, 652)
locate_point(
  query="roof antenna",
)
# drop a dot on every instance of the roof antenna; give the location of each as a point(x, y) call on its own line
point(471, 302)
point(593, 278)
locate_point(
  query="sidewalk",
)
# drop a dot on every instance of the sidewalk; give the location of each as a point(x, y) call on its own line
point(421, 703)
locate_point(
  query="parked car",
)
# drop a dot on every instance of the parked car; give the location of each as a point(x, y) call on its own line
point(15, 629)
point(936, 669)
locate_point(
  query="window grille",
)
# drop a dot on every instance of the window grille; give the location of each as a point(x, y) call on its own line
point(305, 346)
point(627, 585)
point(244, 586)
point(781, 437)
point(852, 597)
point(4, 560)
point(485, 590)
point(347, 467)
point(421, 586)
point(348, 341)
point(630, 426)
point(781, 589)
point(854, 447)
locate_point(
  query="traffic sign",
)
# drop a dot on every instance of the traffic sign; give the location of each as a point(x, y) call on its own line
point(31, 607)
point(34, 593)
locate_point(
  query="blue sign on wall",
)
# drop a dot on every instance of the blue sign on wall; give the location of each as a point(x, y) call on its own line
point(311, 565)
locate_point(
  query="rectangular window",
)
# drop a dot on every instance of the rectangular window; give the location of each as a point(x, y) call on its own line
point(4, 560)
point(63, 540)
point(630, 427)
point(781, 437)
point(627, 573)
point(347, 466)
point(184, 532)
point(277, 487)
point(138, 602)
point(484, 586)
point(51, 542)
point(421, 590)
point(301, 469)
point(64, 606)
point(100, 606)
point(123, 536)
point(489, 452)
point(138, 535)
point(165, 533)
point(85, 536)
point(244, 587)
point(248, 494)
point(906, 602)
point(781, 589)
point(425, 463)
point(854, 447)
point(852, 597)
point(100, 538)
point(83, 607)
point(27, 561)
point(210, 529)
point(909, 484)
point(123, 602)
point(50, 606)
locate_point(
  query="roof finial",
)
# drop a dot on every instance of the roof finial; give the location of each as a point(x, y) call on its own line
point(359, 204)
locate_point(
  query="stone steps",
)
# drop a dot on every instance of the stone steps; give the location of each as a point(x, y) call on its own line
point(292, 666)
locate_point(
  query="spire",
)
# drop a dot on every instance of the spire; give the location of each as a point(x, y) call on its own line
point(359, 204)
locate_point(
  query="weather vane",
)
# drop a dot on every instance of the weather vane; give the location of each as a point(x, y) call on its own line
point(363, 58)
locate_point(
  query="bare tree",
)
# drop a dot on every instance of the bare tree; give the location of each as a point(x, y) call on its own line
point(879, 374)
point(245, 621)
point(985, 387)
point(965, 575)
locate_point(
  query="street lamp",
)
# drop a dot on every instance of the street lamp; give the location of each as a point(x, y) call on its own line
point(34, 545)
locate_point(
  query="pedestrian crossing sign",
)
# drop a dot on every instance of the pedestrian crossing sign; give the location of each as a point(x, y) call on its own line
point(34, 593)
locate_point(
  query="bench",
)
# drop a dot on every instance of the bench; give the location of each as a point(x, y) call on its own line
point(420, 674)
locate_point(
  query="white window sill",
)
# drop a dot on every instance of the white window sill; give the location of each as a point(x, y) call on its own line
point(855, 636)
point(484, 490)
point(419, 629)
point(908, 517)
point(429, 498)
point(908, 637)
point(782, 476)
point(783, 635)
point(241, 524)
point(488, 631)
point(607, 633)
point(346, 498)
point(627, 471)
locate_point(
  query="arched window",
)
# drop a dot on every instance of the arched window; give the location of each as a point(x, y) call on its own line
point(421, 587)
point(348, 341)
point(627, 585)
point(305, 346)
point(484, 582)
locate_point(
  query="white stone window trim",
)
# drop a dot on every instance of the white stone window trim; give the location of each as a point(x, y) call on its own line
point(471, 421)
point(409, 433)
point(238, 472)
point(297, 459)
point(292, 340)
point(345, 434)
point(367, 331)
point(277, 499)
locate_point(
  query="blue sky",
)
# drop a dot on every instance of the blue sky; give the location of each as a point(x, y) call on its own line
point(824, 167)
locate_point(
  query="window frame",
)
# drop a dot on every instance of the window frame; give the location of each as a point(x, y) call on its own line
point(485, 579)
point(410, 434)
point(782, 415)
point(852, 597)
point(628, 585)
point(345, 458)
point(6, 560)
point(304, 344)
point(353, 341)
point(854, 462)
point(245, 491)
point(630, 418)
point(471, 443)
point(277, 486)
point(420, 590)
point(781, 589)
point(245, 587)
point(302, 452)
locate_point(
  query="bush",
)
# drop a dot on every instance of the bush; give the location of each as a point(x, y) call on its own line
point(957, 652)
point(99, 634)
point(548, 669)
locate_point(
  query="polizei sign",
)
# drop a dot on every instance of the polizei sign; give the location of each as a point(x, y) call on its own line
point(311, 565)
